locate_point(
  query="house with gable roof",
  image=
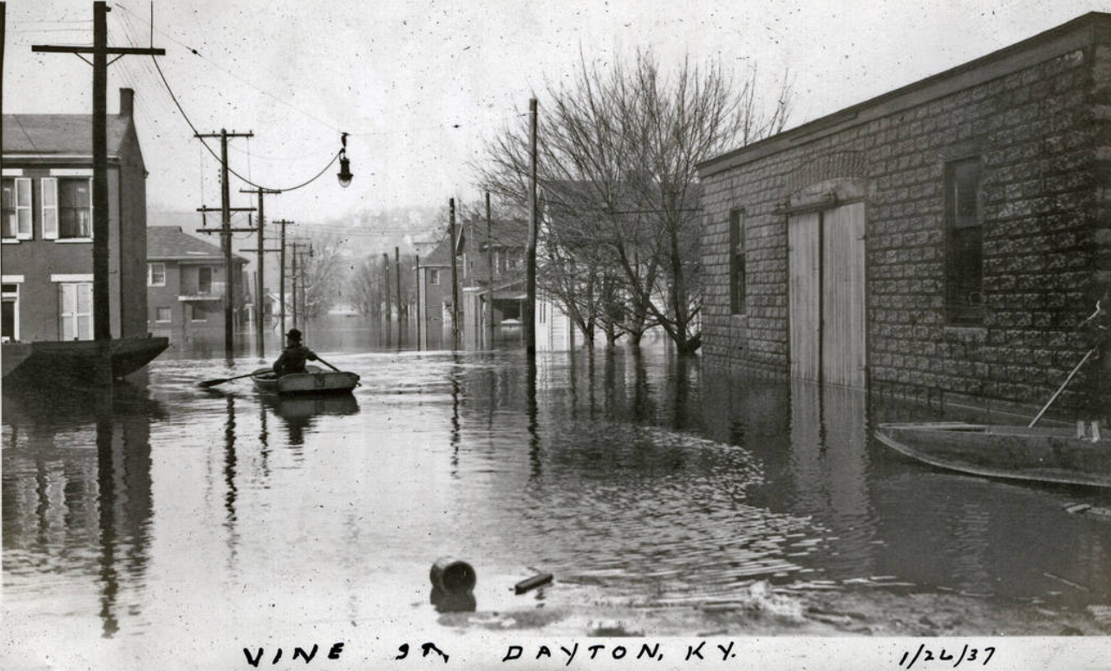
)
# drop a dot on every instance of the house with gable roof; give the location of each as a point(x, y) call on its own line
point(186, 284)
point(46, 226)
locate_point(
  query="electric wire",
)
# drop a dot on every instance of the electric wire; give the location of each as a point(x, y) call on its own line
point(312, 179)
point(289, 105)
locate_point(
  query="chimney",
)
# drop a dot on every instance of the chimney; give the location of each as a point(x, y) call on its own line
point(127, 102)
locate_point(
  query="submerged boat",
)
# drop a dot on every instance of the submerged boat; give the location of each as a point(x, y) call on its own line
point(1017, 452)
point(315, 381)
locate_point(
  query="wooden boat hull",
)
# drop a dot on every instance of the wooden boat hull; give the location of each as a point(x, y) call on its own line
point(315, 381)
point(1016, 452)
point(76, 359)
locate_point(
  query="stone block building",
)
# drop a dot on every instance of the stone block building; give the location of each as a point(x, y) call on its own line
point(946, 239)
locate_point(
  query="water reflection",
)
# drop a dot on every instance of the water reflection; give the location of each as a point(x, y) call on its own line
point(448, 602)
point(634, 476)
point(229, 478)
point(77, 511)
point(300, 414)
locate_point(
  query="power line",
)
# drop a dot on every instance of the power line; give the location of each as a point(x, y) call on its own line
point(241, 79)
point(283, 101)
point(130, 32)
point(210, 150)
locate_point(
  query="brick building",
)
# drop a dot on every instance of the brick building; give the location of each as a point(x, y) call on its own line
point(186, 285)
point(46, 238)
point(944, 239)
point(434, 296)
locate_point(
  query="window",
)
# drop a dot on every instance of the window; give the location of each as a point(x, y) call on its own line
point(964, 258)
point(156, 274)
point(204, 280)
point(737, 262)
point(9, 316)
point(16, 224)
point(163, 315)
point(433, 276)
point(75, 208)
point(76, 318)
point(200, 312)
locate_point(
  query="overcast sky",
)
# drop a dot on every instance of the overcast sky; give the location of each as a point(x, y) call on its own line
point(420, 84)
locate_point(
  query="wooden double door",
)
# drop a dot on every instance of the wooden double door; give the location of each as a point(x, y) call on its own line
point(826, 308)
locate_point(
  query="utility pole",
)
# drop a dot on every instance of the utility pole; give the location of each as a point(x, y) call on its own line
point(417, 285)
point(102, 325)
point(281, 273)
point(272, 250)
point(386, 271)
point(454, 280)
point(490, 284)
point(259, 272)
point(293, 280)
point(530, 250)
point(397, 275)
point(225, 236)
point(304, 286)
point(300, 305)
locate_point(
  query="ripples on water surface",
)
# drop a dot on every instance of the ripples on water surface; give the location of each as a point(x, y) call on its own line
point(635, 479)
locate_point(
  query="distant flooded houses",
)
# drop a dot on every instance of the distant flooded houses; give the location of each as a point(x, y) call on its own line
point(186, 285)
point(946, 240)
point(490, 273)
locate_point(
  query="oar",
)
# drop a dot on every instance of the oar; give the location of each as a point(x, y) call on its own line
point(212, 383)
point(328, 365)
point(1063, 385)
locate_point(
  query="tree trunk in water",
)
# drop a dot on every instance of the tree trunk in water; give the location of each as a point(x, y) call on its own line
point(611, 335)
point(688, 345)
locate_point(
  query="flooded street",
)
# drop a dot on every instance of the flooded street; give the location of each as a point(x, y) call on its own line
point(664, 497)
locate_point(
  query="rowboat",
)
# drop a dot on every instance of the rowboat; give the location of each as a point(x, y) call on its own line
point(1061, 455)
point(315, 381)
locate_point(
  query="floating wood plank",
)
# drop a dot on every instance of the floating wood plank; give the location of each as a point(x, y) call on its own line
point(535, 581)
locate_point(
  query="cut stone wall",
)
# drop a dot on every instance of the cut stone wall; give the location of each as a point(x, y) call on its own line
point(1043, 134)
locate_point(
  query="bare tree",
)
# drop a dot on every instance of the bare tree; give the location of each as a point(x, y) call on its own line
point(364, 284)
point(618, 172)
point(323, 275)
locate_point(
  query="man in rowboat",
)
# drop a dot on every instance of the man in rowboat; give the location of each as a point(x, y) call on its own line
point(294, 356)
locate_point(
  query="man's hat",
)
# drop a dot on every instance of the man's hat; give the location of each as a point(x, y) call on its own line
point(294, 334)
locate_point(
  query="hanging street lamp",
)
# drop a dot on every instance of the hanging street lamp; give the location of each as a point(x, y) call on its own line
point(344, 175)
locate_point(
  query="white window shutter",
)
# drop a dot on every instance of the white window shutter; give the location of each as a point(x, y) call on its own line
point(23, 226)
point(49, 208)
point(92, 213)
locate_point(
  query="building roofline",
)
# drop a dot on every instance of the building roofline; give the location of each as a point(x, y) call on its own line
point(213, 259)
point(55, 157)
point(1065, 38)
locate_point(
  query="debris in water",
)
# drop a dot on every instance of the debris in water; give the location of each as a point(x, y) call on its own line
point(533, 582)
point(1067, 582)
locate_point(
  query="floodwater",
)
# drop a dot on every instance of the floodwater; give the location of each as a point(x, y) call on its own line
point(665, 497)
